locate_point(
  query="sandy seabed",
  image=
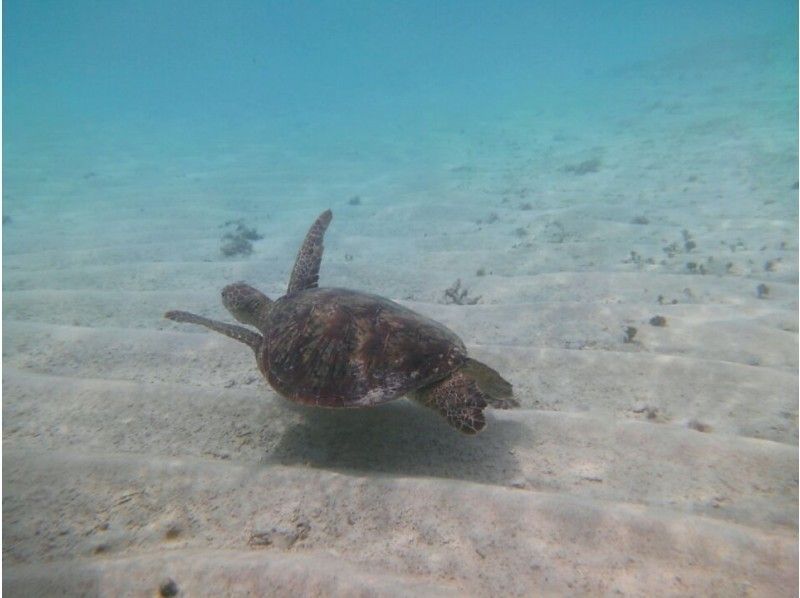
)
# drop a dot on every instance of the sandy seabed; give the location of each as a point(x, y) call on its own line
point(656, 461)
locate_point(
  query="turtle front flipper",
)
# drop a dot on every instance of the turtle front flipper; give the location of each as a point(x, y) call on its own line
point(459, 400)
point(306, 268)
point(243, 335)
point(499, 392)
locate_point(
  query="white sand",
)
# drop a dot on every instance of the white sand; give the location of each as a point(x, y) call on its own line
point(137, 450)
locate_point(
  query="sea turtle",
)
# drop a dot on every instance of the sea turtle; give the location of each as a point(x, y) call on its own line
point(332, 347)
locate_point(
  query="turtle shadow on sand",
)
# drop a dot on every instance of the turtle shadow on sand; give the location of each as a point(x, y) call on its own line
point(397, 438)
point(342, 358)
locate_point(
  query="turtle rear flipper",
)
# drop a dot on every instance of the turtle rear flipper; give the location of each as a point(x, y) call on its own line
point(459, 400)
point(241, 334)
point(497, 389)
point(306, 267)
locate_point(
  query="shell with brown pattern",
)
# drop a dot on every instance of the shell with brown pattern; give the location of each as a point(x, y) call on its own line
point(334, 347)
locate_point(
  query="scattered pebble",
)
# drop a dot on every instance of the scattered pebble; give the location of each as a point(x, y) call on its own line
point(696, 268)
point(762, 291)
point(640, 220)
point(280, 537)
point(658, 321)
point(168, 588)
point(173, 531)
point(699, 426)
point(650, 412)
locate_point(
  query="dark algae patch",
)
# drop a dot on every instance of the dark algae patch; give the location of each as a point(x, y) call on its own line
point(458, 296)
point(586, 167)
point(238, 239)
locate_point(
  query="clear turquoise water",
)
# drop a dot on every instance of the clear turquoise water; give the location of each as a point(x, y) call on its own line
point(83, 79)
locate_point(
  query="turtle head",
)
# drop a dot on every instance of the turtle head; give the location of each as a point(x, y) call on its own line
point(246, 304)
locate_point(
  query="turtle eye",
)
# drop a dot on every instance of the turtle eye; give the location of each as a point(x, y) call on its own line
point(228, 292)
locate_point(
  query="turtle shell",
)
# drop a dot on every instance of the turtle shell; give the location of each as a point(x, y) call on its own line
point(339, 348)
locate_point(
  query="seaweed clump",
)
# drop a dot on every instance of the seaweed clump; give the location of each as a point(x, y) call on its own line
point(490, 219)
point(585, 167)
point(458, 296)
point(239, 240)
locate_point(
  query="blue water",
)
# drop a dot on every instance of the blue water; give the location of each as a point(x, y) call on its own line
point(167, 76)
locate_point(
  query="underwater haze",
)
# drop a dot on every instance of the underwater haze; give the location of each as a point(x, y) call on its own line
point(599, 198)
